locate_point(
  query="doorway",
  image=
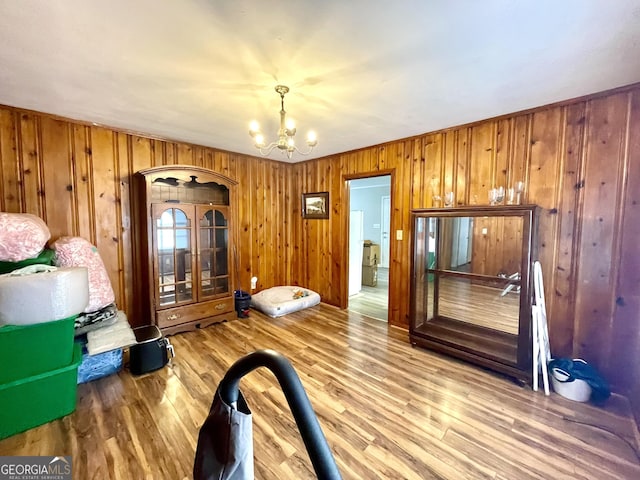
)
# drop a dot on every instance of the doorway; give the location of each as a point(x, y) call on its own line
point(369, 210)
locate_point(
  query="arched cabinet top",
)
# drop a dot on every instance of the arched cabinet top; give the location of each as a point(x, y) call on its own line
point(186, 184)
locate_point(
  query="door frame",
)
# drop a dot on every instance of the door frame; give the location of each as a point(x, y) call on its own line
point(346, 206)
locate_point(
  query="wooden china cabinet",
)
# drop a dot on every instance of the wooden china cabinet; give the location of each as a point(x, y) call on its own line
point(185, 238)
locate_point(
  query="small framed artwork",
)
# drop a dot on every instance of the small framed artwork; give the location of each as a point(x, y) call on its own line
point(315, 205)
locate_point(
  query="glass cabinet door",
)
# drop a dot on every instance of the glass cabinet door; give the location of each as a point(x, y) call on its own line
point(174, 262)
point(213, 250)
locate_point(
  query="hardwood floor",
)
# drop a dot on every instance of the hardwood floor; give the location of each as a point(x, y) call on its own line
point(389, 411)
point(373, 301)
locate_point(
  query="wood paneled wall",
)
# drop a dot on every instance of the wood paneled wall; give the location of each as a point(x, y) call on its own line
point(78, 179)
point(579, 160)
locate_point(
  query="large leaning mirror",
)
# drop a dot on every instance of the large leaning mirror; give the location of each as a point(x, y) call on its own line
point(471, 284)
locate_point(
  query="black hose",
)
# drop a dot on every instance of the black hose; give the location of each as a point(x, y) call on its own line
point(314, 440)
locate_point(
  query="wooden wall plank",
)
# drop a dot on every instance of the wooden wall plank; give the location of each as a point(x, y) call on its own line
point(568, 232)
point(418, 193)
point(156, 151)
point(339, 283)
point(459, 150)
point(82, 181)
point(284, 233)
point(434, 146)
point(298, 239)
point(603, 182)
point(342, 202)
point(519, 162)
point(259, 227)
point(185, 154)
point(367, 156)
point(221, 163)
point(244, 248)
point(29, 149)
point(107, 221)
point(57, 189)
point(547, 127)
point(481, 160)
point(171, 153)
point(503, 152)
point(625, 341)
point(10, 182)
point(198, 156)
point(130, 273)
point(145, 153)
point(324, 230)
point(449, 169)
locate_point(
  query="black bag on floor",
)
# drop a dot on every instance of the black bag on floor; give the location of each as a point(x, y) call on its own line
point(581, 370)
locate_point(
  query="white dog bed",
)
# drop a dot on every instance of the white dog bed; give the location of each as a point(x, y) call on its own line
point(278, 301)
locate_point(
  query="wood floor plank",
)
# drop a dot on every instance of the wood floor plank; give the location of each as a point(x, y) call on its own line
point(388, 410)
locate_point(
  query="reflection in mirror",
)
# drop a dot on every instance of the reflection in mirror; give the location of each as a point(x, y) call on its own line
point(485, 304)
point(461, 243)
point(184, 292)
point(489, 247)
point(479, 245)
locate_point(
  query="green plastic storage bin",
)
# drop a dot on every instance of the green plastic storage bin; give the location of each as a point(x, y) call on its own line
point(32, 349)
point(39, 399)
point(44, 258)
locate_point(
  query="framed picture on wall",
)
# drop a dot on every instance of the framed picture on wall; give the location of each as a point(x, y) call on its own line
point(315, 205)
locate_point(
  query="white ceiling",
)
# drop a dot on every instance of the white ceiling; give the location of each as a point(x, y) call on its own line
point(361, 72)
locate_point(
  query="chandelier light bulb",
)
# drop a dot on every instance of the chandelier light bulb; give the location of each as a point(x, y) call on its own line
point(254, 126)
point(285, 141)
point(312, 138)
point(290, 124)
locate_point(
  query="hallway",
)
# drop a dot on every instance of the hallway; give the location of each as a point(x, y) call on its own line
point(373, 301)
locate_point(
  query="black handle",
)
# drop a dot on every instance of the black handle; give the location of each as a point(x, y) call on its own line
point(314, 440)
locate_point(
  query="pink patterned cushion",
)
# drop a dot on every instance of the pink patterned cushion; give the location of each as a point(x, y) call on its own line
point(78, 252)
point(22, 236)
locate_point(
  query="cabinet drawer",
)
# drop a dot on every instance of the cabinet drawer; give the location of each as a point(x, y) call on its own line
point(195, 312)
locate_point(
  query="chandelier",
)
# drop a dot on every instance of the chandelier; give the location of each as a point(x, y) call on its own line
point(285, 143)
